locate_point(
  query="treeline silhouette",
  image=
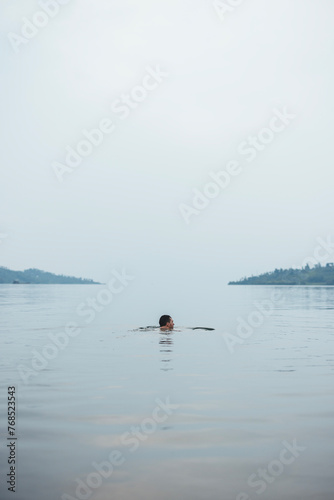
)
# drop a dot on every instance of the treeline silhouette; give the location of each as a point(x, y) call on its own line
point(38, 277)
point(317, 275)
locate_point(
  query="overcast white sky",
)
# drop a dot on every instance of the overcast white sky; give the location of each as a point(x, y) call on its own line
point(120, 206)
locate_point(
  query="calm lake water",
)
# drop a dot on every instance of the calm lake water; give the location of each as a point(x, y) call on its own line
point(106, 411)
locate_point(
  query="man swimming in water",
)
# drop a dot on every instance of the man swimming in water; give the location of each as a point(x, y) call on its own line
point(166, 322)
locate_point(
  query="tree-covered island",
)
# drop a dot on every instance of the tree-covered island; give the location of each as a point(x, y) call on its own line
point(38, 277)
point(317, 275)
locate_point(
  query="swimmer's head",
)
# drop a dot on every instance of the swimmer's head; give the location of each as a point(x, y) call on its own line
point(166, 322)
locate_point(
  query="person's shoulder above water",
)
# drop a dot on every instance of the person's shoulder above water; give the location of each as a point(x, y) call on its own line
point(201, 328)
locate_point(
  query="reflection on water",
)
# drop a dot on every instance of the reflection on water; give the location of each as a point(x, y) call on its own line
point(166, 349)
point(197, 432)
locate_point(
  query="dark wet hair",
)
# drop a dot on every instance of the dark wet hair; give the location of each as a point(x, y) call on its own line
point(164, 320)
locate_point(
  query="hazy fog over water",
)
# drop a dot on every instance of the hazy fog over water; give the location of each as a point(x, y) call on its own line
point(212, 159)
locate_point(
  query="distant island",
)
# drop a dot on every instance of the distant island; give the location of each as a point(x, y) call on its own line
point(317, 275)
point(38, 277)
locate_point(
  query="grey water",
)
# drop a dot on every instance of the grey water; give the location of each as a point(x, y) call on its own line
point(107, 411)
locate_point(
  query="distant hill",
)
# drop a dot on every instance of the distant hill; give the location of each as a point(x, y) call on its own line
point(317, 275)
point(38, 277)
